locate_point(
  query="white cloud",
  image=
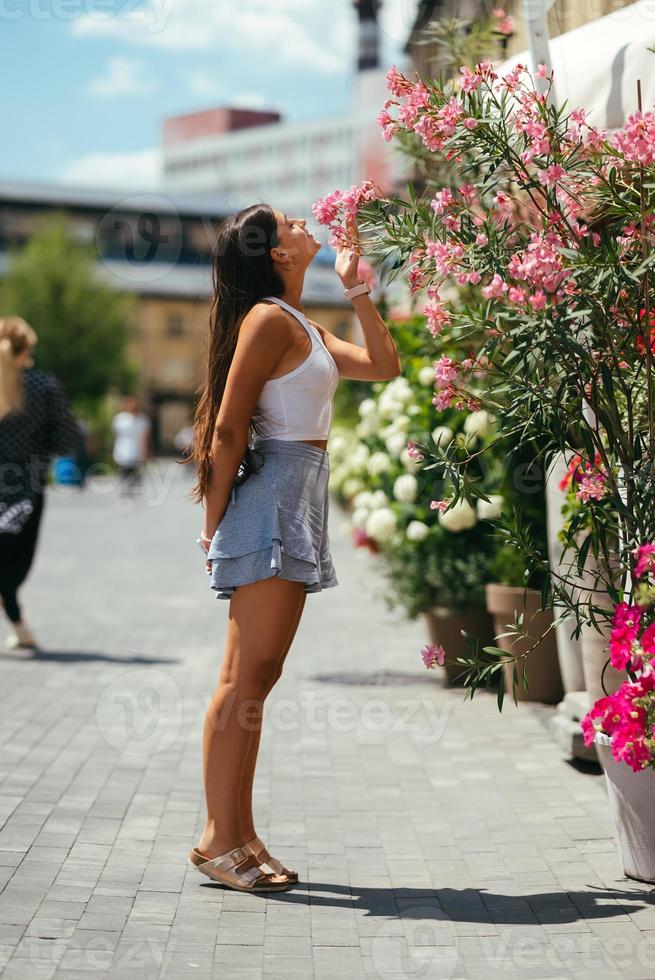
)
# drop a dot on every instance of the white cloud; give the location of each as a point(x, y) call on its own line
point(291, 33)
point(124, 76)
point(139, 170)
point(205, 85)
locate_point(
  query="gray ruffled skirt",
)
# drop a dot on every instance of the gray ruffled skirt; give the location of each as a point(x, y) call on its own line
point(276, 521)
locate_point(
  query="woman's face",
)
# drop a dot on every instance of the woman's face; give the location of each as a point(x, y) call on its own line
point(294, 239)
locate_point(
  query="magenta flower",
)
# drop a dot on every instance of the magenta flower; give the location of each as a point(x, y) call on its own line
point(645, 559)
point(625, 625)
point(433, 654)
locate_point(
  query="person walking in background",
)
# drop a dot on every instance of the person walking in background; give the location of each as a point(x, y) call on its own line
point(35, 424)
point(131, 428)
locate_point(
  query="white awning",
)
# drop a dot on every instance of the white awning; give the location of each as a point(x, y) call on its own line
point(597, 65)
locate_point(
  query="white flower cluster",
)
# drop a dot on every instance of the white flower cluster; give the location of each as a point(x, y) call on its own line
point(372, 514)
point(462, 516)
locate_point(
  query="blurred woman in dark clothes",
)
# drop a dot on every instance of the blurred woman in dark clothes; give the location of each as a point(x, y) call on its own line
point(35, 424)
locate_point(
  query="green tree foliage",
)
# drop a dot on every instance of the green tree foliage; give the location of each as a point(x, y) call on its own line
point(81, 323)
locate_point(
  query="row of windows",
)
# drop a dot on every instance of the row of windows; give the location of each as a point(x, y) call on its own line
point(248, 154)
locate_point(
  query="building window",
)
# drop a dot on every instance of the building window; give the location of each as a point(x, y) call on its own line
point(175, 325)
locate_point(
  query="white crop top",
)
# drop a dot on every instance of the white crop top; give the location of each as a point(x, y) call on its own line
point(298, 404)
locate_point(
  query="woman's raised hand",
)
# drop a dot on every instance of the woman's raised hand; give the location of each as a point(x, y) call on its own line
point(348, 255)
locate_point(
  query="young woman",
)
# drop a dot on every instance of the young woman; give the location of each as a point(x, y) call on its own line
point(35, 423)
point(273, 372)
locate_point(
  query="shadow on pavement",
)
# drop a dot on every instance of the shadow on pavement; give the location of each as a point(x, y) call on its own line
point(470, 904)
point(81, 656)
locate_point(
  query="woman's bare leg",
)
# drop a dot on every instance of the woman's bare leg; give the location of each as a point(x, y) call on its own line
point(260, 621)
point(245, 808)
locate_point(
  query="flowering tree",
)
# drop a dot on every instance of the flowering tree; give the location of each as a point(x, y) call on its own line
point(550, 221)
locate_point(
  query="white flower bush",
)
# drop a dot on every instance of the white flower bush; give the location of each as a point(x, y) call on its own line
point(405, 488)
point(359, 458)
point(491, 510)
point(478, 424)
point(460, 517)
point(442, 435)
point(426, 375)
point(381, 524)
point(417, 531)
point(378, 463)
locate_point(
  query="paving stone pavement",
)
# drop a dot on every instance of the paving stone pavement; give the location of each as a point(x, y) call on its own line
point(434, 838)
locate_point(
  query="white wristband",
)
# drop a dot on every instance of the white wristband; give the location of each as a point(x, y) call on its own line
point(358, 290)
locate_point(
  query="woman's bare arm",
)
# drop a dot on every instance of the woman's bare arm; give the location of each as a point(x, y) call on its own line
point(378, 360)
point(263, 339)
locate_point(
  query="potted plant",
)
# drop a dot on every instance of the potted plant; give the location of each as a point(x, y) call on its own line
point(622, 725)
point(514, 596)
point(555, 227)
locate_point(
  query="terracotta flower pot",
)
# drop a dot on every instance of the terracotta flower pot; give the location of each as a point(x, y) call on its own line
point(542, 666)
point(632, 805)
point(444, 627)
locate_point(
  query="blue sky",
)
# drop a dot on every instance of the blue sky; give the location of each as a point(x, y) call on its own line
point(86, 83)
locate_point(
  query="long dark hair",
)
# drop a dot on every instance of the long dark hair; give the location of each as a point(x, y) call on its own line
point(243, 272)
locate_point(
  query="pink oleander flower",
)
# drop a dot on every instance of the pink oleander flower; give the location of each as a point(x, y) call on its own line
point(551, 175)
point(505, 22)
point(433, 654)
point(496, 289)
point(644, 559)
point(592, 486)
point(440, 505)
point(538, 300)
point(481, 239)
point(636, 140)
point(517, 295)
point(326, 209)
point(542, 71)
point(397, 83)
point(413, 451)
point(442, 199)
point(445, 371)
point(334, 209)
point(445, 398)
point(387, 124)
point(437, 316)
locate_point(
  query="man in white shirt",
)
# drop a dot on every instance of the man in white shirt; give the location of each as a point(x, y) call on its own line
point(131, 428)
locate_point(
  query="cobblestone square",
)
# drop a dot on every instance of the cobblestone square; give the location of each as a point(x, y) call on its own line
point(434, 838)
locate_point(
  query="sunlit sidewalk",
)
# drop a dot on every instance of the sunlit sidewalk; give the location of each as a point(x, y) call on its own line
point(434, 838)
